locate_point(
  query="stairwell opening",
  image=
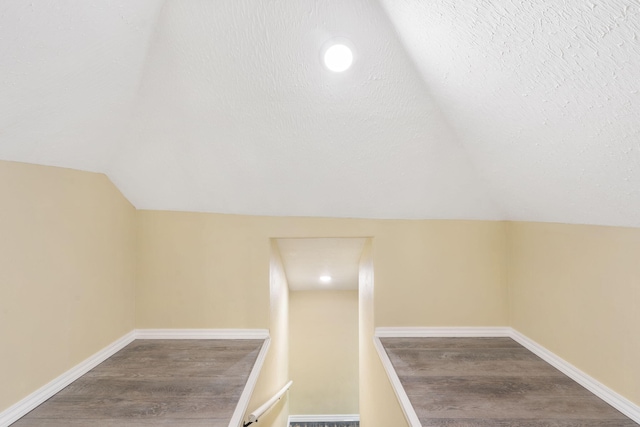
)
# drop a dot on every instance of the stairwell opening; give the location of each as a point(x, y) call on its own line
point(325, 328)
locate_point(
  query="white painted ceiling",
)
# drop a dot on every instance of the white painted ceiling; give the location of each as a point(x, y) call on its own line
point(305, 260)
point(544, 96)
point(512, 109)
point(69, 77)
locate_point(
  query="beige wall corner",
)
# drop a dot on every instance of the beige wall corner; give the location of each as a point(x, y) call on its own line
point(67, 271)
point(379, 406)
point(575, 289)
point(323, 353)
point(275, 371)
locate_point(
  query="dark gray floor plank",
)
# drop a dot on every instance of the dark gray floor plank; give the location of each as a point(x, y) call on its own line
point(155, 382)
point(134, 388)
point(525, 407)
point(482, 382)
point(117, 422)
point(450, 343)
point(121, 408)
point(416, 367)
point(539, 422)
point(497, 386)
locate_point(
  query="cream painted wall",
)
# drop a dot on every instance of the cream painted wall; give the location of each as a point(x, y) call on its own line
point(67, 271)
point(440, 273)
point(575, 289)
point(379, 406)
point(275, 371)
point(323, 355)
point(199, 270)
point(202, 271)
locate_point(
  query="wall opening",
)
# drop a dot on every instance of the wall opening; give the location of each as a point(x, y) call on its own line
point(324, 326)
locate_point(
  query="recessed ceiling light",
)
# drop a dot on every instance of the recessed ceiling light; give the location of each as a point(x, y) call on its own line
point(325, 279)
point(338, 57)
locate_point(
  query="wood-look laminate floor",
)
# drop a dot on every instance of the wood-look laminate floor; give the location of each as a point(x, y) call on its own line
point(155, 383)
point(492, 382)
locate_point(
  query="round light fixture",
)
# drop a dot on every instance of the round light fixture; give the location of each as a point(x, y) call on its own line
point(325, 279)
point(338, 58)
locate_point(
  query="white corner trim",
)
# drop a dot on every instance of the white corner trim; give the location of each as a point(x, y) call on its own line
point(333, 418)
point(245, 397)
point(202, 334)
point(450, 332)
point(405, 404)
point(614, 399)
point(21, 408)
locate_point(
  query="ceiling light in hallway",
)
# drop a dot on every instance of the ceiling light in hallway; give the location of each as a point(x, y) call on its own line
point(325, 279)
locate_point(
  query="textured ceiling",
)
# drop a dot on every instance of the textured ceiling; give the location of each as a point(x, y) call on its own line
point(305, 260)
point(69, 74)
point(521, 110)
point(236, 114)
point(543, 95)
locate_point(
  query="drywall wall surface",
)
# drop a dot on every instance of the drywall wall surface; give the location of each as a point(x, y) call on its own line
point(323, 353)
point(440, 273)
point(379, 406)
point(67, 271)
point(575, 289)
point(275, 371)
point(200, 270)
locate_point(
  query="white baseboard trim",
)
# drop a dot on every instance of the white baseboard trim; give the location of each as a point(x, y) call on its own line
point(245, 397)
point(202, 334)
point(614, 399)
point(434, 332)
point(333, 418)
point(405, 403)
point(24, 406)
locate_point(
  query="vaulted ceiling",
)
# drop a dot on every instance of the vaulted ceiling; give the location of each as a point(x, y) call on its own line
point(505, 109)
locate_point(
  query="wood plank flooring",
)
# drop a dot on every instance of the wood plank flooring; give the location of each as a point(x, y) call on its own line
point(155, 383)
point(492, 382)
